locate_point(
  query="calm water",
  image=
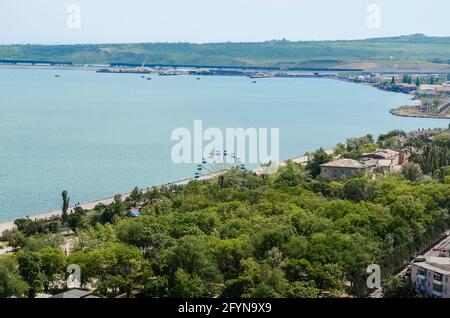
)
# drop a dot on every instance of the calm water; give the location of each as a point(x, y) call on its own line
point(96, 135)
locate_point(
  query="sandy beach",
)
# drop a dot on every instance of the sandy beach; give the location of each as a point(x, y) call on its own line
point(46, 215)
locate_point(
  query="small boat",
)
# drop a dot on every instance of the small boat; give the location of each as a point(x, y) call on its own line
point(254, 82)
point(149, 78)
point(57, 75)
point(198, 78)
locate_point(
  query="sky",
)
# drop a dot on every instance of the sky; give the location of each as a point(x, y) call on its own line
point(200, 21)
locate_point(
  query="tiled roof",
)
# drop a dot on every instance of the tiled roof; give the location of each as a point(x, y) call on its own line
point(344, 163)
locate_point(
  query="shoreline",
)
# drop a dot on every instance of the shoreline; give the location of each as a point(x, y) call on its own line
point(90, 205)
point(395, 112)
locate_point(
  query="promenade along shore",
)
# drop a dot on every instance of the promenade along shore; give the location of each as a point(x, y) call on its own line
point(9, 225)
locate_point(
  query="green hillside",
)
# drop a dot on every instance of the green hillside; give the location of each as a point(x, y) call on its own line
point(408, 51)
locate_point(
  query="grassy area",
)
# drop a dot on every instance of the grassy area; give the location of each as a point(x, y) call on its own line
point(405, 51)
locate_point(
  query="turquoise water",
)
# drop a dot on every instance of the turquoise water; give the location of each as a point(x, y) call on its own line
point(96, 135)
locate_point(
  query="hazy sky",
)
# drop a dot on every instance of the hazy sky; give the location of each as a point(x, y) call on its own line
point(45, 21)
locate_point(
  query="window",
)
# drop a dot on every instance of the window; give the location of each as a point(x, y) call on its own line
point(437, 288)
point(421, 271)
point(437, 277)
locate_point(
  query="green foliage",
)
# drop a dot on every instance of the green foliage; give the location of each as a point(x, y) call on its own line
point(398, 287)
point(30, 268)
point(53, 265)
point(16, 239)
point(65, 204)
point(116, 268)
point(411, 172)
point(356, 189)
point(276, 53)
point(356, 147)
point(318, 158)
point(435, 155)
point(11, 283)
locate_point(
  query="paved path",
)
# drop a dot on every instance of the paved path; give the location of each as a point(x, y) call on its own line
point(6, 250)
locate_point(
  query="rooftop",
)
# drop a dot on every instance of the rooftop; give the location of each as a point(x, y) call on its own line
point(436, 264)
point(344, 163)
point(74, 293)
point(383, 153)
point(384, 163)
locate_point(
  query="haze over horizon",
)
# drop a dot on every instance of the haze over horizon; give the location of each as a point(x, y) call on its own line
point(204, 21)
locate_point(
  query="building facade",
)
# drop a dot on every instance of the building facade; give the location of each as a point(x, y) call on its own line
point(342, 168)
point(431, 276)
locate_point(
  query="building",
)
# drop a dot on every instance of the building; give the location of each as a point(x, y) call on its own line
point(387, 159)
point(431, 276)
point(383, 160)
point(435, 89)
point(342, 168)
point(75, 293)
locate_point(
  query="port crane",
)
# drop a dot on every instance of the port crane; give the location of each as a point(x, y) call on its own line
point(142, 68)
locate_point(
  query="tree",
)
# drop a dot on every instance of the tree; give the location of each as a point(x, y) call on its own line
point(156, 286)
point(398, 287)
point(194, 255)
point(411, 210)
point(411, 172)
point(116, 268)
point(229, 253)
point(188, 285)
point(30, 269)
point(257, 281)
point(65, 205)
point(144, 233)
point(319, 157)
point(356, 189)
point(53, 265)
point(75, 220)
point(117, 208)
point(11, 284)
point(135, 197)
point(303, 290)
point(16, 239)
point(94, 237)
point(417, 81)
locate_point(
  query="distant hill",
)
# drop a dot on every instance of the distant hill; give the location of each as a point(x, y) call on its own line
point(412, 51)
